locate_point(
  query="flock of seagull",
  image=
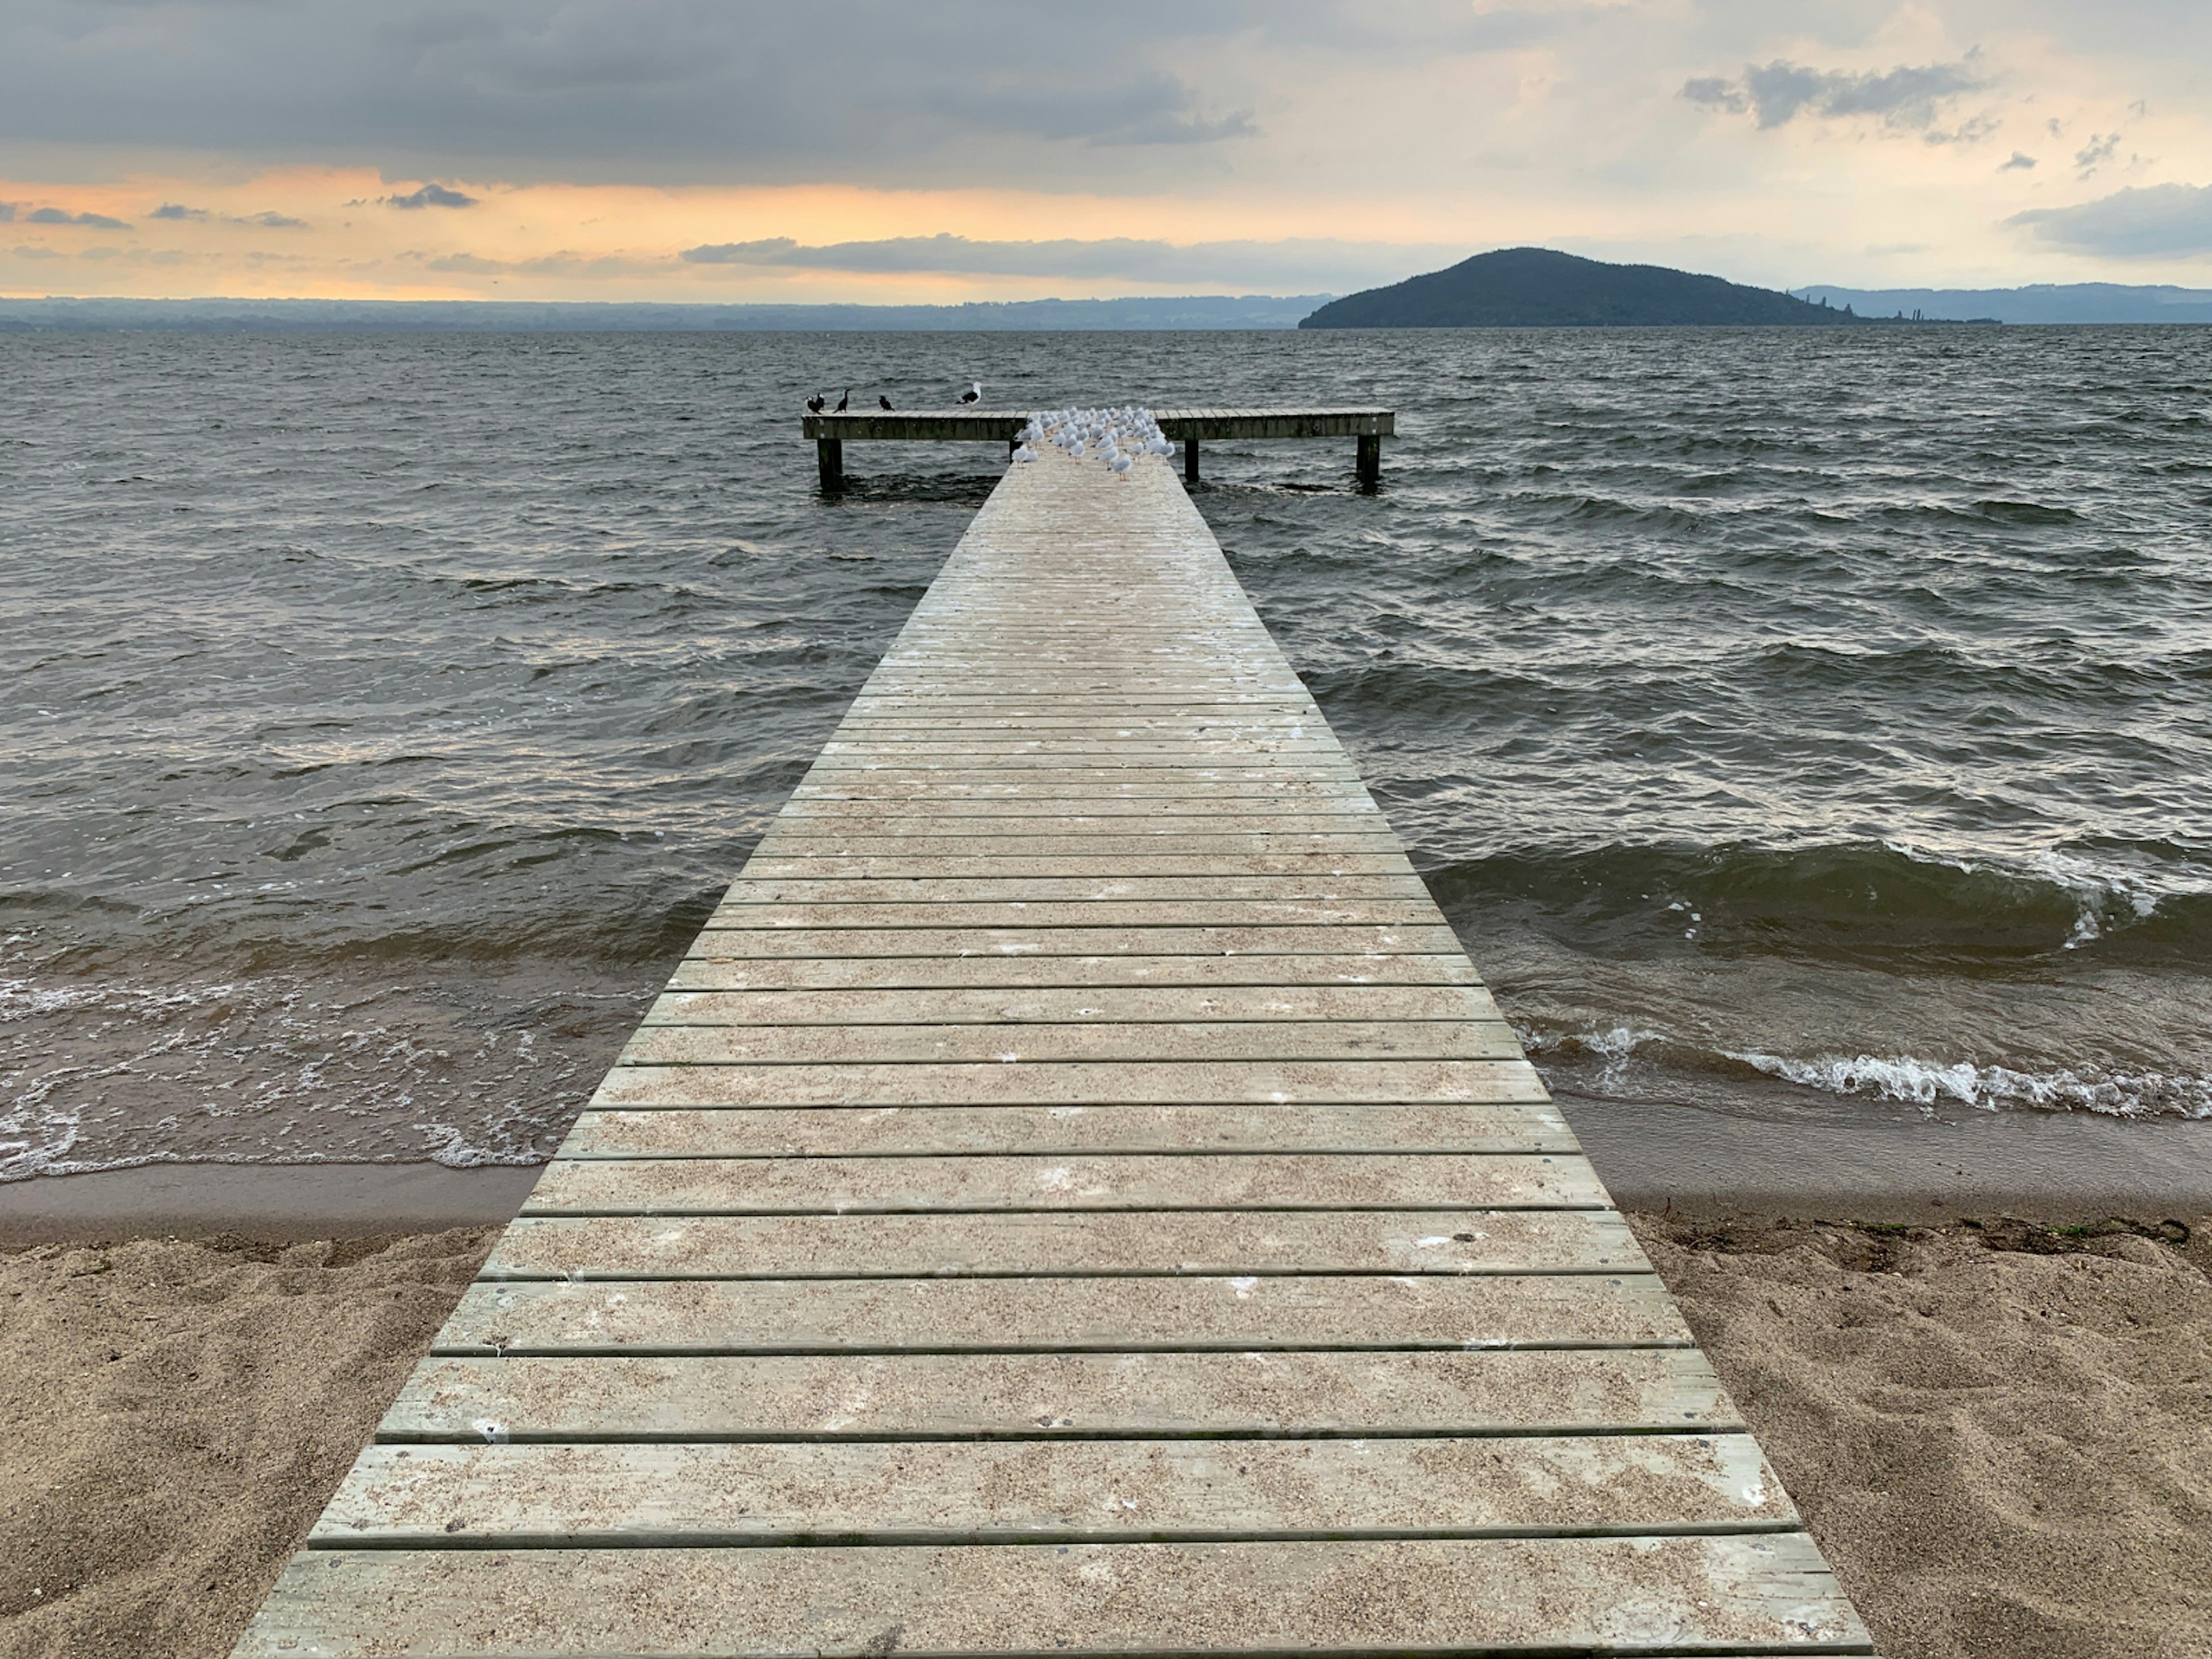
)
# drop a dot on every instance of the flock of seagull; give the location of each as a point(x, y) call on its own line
point(1115, 436)
point(820, 401)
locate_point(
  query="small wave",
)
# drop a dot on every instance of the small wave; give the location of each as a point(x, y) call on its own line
point(2003, 512)
point(1628, 1061)
point(1887, 900)
point(1992, 1088)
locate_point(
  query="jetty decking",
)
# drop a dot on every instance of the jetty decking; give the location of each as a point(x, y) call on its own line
point(1074, 1198)
point(1187, 426)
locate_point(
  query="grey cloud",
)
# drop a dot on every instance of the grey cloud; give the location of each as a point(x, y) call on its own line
point(2021, 163)
point(2100, 149)
point(563, 264)
point(173, 211)
point(430, 196)
point(1777, 93)
point(870, 91)
point(1142, 109)
point(7, 213)
point(2135, 223)
point(58, 216)
point(1717, 92)
point(1295, 264)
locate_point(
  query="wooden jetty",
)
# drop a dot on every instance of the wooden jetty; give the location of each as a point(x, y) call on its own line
point(1187, 426)
point(1074, 1198)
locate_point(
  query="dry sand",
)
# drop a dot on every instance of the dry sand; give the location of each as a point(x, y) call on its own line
point(177, 1415)
point(2002, 1436)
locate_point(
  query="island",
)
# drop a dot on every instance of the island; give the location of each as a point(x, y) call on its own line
point(1538, 287)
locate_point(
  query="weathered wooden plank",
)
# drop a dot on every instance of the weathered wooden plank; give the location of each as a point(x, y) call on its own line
point(932, 1492)
point(1265, 814)
point(1468, 1596)
point(996, 879)
point(1005, 1044)
point(861, 1132)
point(1028, 1004)
point(1042, 1396)
point(895, 1183)
point(1043, 972)
point(1228, 842)
point(940, 937)
point(1097, 1082)
point(1238, 1242)
point(919, 426)
point(869, 722)
point(1231, 425)
point(1110, 913)
point(977, 753)
point(1060, 1315)
point(1092, 789)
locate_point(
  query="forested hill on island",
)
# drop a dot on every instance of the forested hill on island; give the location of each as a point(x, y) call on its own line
point(1535, 287)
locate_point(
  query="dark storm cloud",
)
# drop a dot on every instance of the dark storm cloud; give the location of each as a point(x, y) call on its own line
point(1777, 93)
point(1314, 263)
point(876, 91)
point(2163, 219)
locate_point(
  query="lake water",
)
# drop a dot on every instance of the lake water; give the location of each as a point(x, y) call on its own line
point(1796, 725)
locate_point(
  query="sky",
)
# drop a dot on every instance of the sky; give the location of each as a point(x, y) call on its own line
point(730, 151)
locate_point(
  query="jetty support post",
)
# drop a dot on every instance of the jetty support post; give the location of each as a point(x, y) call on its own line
point(1369, 465)
point(830, 455)
point(1190, 460)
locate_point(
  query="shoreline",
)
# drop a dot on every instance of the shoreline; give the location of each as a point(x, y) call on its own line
point(1665, 1160)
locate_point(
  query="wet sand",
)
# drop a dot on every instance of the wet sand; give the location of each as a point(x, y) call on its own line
point(1870, 1162)
point(2000, 1434)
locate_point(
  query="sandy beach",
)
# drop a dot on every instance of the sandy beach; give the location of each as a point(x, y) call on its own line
point(2000, 1432)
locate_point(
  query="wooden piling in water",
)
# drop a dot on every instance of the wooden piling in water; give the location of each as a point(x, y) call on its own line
point(1187, 426)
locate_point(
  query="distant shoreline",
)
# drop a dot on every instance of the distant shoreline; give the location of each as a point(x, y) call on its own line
point(2108, 306)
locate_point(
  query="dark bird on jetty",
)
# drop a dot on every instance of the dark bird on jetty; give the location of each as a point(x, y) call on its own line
point(817, 404)
point(842, 401)
point(884, 401)
point(974, 391)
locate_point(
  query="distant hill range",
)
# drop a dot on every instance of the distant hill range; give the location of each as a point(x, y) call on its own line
point(2044, 302)
point(1536, 288)
point(531, 317)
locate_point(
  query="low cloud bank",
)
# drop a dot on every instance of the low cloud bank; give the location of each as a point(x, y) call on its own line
point(2128, 224)
point(1299, 263)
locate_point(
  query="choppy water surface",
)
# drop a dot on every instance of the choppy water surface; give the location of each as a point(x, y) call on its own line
point(1791, 723)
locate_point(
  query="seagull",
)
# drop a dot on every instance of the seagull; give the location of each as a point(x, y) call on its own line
point(974, 393)
point(814, 405)
point(842, 401)
point(1121, 464)
point(884, 401)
